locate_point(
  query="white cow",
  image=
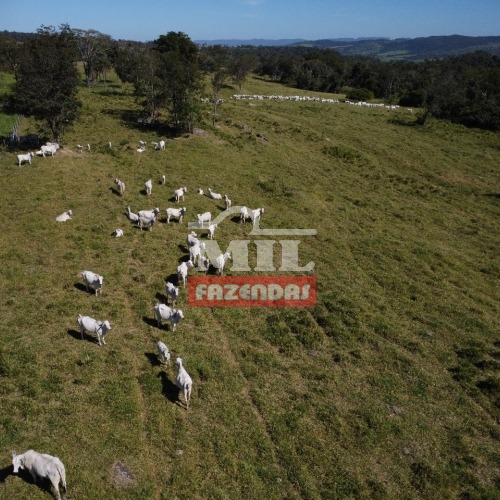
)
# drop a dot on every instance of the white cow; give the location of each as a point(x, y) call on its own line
point(146, 221)
point(179, 193)
point(162, 145)
point(88, 324)
point(183, 269)
point(214, 196)
point(121, 186)
point(175, 213)
point(211, 231)
point(64, 216)
point(94, 280)
point(162, 311)
point(220, 261)
point(256, 214)
point(244, 215)
point(172, 292)
point(24, 158)
point(148, 186)
point(133, 217)
point(204, 217)
point(184, 382)
point(196, 252)
point(40, 465)
point(163, 352)
point(148, 213)
point(192, 239)
point(49, 148)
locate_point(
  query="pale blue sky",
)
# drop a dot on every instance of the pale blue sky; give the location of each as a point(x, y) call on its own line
point(245, 19)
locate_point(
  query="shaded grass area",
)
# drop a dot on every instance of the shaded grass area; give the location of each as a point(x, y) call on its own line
point(388, 387)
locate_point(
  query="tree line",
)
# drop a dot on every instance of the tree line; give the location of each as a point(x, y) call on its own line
point(168, 77)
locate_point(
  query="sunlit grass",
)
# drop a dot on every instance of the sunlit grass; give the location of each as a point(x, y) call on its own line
point(388, 388)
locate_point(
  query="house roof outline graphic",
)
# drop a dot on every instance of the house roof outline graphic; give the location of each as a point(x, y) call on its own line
point(256, 230)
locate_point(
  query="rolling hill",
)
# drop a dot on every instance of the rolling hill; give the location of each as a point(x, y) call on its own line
point(387, 388)
point(411, 49)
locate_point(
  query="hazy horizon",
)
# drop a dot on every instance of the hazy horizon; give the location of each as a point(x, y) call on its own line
point(259, 19)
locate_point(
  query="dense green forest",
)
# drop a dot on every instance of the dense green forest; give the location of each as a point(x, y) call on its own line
point(167, 74)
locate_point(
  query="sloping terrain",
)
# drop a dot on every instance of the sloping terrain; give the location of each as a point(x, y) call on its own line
point(412, 49)
point(387, 388)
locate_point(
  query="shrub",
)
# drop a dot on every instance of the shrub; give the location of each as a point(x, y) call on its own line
point(360, 95)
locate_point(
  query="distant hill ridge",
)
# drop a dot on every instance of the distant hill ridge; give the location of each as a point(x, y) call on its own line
point(235, 42)
point(431, 47)
point(408, 49)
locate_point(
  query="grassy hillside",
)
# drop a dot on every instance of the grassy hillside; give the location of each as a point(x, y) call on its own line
point(388, 388)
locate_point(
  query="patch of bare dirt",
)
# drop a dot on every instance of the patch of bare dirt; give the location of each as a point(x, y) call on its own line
point(200, 132)
point(121, 476)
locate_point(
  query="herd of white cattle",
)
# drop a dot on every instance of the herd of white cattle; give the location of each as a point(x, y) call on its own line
point(43, 466)
point(298, 98)
point(51, 148)
point(295, 98)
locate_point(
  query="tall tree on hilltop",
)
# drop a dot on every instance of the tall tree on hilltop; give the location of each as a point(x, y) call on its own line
point(241, 66)
point(47, 79)
point(92, 45)
point(219, 57)
point(180, 74)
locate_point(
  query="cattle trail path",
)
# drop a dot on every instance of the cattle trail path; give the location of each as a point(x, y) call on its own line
point(224, 343)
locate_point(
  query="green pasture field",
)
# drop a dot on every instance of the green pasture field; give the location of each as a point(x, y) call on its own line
point(6, 121)
point(387, 388)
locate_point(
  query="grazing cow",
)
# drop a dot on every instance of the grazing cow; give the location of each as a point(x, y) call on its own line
point(88, 324)
point(49, 148)
point(133, 217)
point(148, 213)
point(179, 193)
point(146, 221)
point(172, 292)
point(184, 382)
point(244, 215)
point(166, 313)
point(220, 261)
point(25, 158)
point(175, 213)
point(211, 231)
point(256, 214)
point(196, 252)
point(94, 280)
point(40, 465)
point(204, 217)
point(192, 239)
point(163, 352)
point(121, 186)
point(183, 269)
